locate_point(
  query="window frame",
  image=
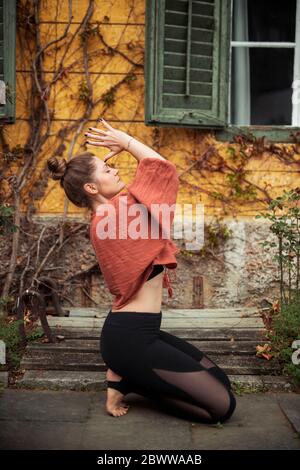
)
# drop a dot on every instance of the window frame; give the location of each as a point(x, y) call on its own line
point(8, 112)
point(280, 133)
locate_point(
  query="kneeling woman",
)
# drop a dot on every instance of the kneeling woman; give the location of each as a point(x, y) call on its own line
point(140, 357)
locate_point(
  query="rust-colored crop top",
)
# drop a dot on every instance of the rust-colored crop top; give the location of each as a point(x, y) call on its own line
point(127, 261)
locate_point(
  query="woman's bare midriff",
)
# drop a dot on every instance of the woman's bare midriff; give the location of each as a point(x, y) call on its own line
point(148, 298)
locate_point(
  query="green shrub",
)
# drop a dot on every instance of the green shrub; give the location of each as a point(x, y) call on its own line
point(9, 333)
point(284, 214)
point(284, 331)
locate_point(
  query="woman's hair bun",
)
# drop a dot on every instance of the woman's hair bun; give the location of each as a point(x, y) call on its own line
point(57, 166)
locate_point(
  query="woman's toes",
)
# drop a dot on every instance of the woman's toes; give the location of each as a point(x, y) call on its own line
point(115, 404)
point(118, 411)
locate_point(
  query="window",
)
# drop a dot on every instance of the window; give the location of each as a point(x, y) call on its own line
point(220, 64)
point(7, 60)
point(265, 62)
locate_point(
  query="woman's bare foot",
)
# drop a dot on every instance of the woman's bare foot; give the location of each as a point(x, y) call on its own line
point(115, 405)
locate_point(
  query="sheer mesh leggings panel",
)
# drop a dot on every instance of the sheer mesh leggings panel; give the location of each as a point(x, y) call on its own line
point(184, 384)
point(196, 354)
point(209, 400)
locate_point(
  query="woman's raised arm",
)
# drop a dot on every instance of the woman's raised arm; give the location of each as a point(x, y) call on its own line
point(140, 150)
point(117, 141)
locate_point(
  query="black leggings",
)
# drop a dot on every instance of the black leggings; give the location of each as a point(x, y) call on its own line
point(163, 367)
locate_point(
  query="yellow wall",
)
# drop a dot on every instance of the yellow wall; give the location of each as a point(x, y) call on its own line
point(123, 29)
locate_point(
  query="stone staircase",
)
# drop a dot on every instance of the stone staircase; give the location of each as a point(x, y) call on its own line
point(228, 336)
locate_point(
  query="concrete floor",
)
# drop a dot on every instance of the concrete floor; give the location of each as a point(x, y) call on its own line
point(78, 420)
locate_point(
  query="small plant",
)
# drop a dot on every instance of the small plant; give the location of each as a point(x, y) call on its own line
point(240, 388)
point(218, 425)
point(130, 79)
point(6, 219)
point(35, 334)
point(109, 98)
point(284, 215)
point(9, 333)
point(88, 32)
point(285, 329)
point(83, 92)
point(238, 188)
point(4, 301)
point(13, 155)
point(215, 235)
point(284, 322)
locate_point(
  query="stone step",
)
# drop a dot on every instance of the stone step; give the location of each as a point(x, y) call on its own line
point(167, 322)
point(209, 334)
point(90, 380)
point(93, 346)
point(87, 361)
point(88, 312)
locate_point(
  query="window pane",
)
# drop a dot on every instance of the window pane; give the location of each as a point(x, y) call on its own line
point(262, 86)
point(271, 20)
point(271, 77)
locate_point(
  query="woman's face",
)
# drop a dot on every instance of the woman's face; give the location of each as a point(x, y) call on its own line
point(106, 179)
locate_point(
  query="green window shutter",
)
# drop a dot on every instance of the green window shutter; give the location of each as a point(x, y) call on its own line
point(187, 48)
point(7, 60)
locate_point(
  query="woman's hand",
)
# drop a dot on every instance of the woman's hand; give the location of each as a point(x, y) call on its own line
point(112, 138)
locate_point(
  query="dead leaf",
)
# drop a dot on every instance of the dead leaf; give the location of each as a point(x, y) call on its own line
point(264, 351)
point(267, 356)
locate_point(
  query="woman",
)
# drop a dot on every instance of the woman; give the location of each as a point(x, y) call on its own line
point(140, 357)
